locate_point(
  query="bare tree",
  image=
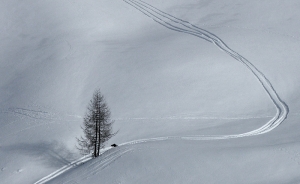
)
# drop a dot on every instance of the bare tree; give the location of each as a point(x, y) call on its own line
point(97, 126)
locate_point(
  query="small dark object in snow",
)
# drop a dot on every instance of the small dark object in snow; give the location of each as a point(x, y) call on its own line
point(114, 145)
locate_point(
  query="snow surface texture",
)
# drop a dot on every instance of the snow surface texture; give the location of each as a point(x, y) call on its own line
point(174, 158)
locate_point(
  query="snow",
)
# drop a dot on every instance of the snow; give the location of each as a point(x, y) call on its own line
point(171, 94)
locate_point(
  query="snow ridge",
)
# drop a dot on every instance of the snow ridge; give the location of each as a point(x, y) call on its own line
point(183, 26)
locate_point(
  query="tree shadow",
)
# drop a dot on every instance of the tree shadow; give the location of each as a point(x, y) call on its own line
point(52, 154)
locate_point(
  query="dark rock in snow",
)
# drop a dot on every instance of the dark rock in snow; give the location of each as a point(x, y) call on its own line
point(114, 145)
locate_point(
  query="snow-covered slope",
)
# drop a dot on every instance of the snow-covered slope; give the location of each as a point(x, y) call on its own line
point(158, 83)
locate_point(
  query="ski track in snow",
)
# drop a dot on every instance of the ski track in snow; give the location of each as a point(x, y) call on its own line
point(38, 114)
point(183, 26)
point(64, 169)
point(107, 156)
point(195, 118)
point(40, 118)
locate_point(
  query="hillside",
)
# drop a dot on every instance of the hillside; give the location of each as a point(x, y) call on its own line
point(185, 83)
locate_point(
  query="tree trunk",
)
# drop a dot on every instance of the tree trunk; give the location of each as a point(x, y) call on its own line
point(96, 139)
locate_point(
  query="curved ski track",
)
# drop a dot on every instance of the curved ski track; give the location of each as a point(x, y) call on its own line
point(183, 26)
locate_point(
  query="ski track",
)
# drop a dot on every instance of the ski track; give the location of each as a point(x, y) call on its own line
point(40, 118)
point(64, 169)
point(183, 26)
point(194, 118)
point(107, 156)
point(179, 25)
point(37, 114)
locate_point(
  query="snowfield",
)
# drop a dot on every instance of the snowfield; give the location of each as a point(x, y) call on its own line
point(200, 91)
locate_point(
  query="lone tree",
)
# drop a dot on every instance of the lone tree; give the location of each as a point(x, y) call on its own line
point(97, 126)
